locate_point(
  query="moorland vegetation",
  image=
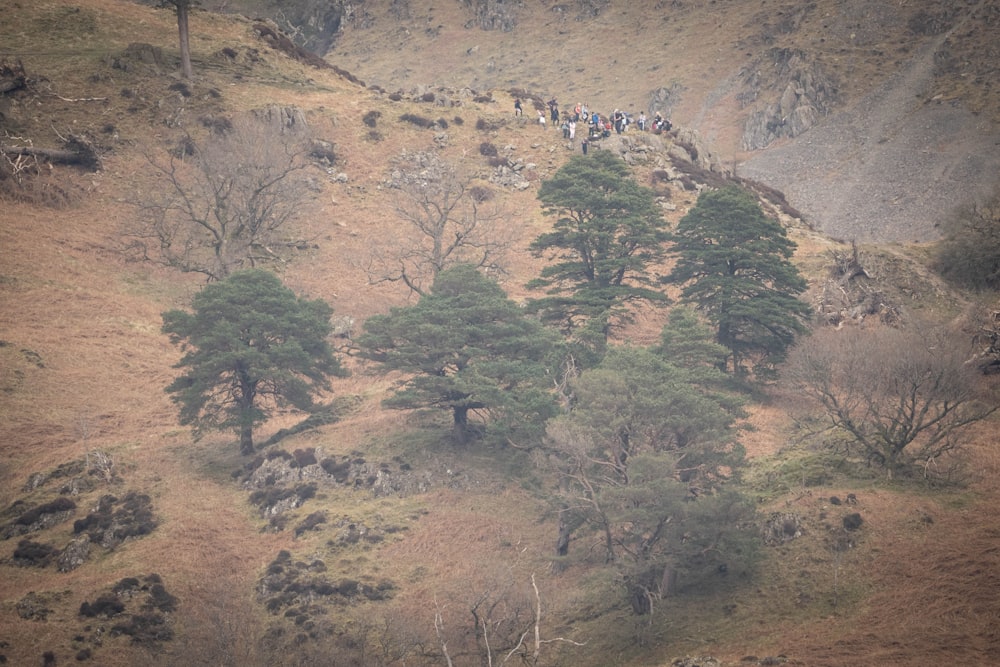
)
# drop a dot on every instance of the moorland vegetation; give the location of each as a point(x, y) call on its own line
point(460, 392)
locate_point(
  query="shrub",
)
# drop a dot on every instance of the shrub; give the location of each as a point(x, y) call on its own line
point(348, 588)
point(375, 135)
point(146, 628)
point(419, 121)
point(395, 97)
point(323, 588)
point(458, 120)
point(969, 254)
point(160, 599)
point(442, 123)
point(34, 554)
point(218, 125)
point(428, 96)
point(181, 88)
point(339, 471)
point(323, 150)
point(109, 525)
point(269, 497)
point(126, 587)
point(310, 522)
point(305, 457)
point(487, 149)
point(106, 605)
point(57, 506)
point(371, 118)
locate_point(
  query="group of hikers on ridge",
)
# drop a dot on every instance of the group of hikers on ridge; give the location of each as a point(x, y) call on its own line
point(598, 126)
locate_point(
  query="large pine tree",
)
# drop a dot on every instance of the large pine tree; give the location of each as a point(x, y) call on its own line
point(607, 235)
point(250, 346)
point(466, 348)
point(734, 266)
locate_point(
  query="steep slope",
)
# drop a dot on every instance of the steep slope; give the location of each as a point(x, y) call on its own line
point(83, 366)
point(877, 170)
point(890, 103)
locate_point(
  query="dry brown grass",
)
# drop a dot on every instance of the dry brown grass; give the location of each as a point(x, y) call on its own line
point(94, 321)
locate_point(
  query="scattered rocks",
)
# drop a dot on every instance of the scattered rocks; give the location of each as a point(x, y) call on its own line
point(37, 606)
point(701, 661)
point(781, 527)
point(39, 518)
point(115, 520)
point(139, 609)
point(298, 584)
point(75, 553)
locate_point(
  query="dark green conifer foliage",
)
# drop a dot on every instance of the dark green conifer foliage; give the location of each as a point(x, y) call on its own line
point(734, 266)
point(647, 454)
point(250, 346)
point(607, 235)
point(466, 348)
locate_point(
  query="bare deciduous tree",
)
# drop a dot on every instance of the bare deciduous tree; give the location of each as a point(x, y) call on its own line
point(227, 201)
point(904, 396)
point(507, 624)
point(448, 219)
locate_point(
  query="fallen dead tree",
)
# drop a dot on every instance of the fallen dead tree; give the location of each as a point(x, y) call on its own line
point(77, 151)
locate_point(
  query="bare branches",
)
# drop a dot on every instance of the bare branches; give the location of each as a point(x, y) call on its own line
point(227, 202)
point(439, 631)
point(448, 220)
point(903, 396)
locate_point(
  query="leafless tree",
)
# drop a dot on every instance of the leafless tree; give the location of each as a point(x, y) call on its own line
point(227, 201)
point(904, 396)
point(507, 624)
point(448, 219)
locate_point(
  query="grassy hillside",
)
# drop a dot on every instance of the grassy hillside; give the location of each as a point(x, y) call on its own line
point(83, 365)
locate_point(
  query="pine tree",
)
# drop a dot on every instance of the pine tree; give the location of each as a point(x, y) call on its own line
point(646, 456)
point(734, 266)
point(250, 346)
point(607, 234)
point(468, 349)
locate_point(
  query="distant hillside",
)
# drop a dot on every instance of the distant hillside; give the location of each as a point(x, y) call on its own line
point(363, 536)
point(863, 113)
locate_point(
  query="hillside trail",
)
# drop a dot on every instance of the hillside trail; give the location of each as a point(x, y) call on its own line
point(881, 170)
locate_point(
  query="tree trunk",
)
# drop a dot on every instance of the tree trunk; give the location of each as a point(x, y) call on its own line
point(79, 152)
point(246, 439)
point(461, 419)
point(565, 534)
point(182, 28)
